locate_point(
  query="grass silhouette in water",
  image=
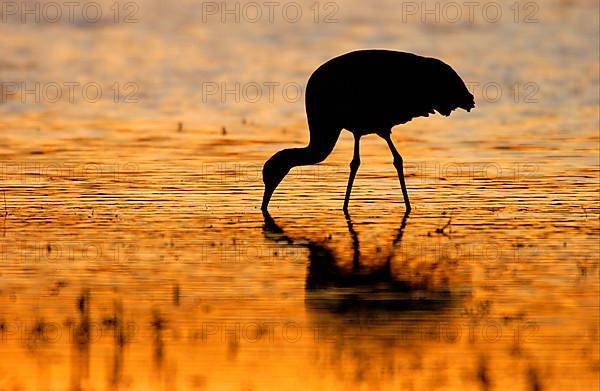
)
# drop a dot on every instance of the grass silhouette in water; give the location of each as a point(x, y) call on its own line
point(368, 92)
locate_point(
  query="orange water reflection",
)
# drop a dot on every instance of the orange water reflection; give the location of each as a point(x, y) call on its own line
point(134, 255)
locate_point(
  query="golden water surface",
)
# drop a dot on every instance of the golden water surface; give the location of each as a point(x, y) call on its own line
point(135, 256)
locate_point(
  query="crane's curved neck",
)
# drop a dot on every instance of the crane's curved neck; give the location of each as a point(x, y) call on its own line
point(303, 156)
point(315, 152)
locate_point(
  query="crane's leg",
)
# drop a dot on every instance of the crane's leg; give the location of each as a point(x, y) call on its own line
point(354, 164)
point(399, 167)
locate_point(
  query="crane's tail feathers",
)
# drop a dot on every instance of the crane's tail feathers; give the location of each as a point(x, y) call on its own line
point(469, 103)
point(466, 102)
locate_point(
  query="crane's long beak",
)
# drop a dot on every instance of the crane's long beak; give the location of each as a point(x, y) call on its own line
point(267, 197)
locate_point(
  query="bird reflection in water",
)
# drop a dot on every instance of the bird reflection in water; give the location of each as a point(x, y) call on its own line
point(333, 288)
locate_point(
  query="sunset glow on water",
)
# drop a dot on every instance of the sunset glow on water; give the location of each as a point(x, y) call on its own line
point(134, 254)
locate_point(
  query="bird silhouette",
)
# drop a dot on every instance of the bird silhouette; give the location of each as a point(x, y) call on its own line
point(366, 92)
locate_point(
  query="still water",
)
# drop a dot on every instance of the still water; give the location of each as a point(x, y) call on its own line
point(135, 256)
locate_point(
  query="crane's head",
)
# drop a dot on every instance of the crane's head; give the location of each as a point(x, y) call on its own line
point(274, 170)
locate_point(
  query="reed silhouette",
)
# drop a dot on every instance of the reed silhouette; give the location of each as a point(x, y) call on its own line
point(368, 92)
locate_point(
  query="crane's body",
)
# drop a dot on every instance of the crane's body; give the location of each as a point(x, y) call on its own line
point(368, 91)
